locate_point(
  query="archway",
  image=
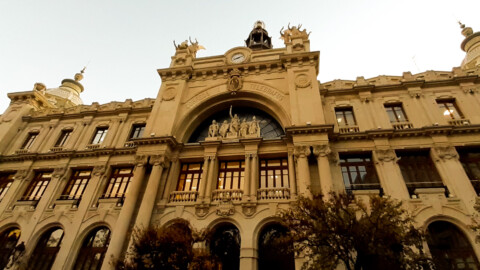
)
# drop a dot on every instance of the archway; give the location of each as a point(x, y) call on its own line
point(272, 252)
point(8, 242)
point(93, 249)
point(225, 245)
point(46, 249)
point(449, 247)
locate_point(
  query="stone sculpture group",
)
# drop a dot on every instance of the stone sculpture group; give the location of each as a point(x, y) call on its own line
point(235, 128)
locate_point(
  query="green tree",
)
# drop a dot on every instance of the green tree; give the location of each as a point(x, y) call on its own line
point(345, 230)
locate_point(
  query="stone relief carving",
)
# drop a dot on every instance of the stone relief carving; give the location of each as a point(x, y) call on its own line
point(99, 170)
point(201, 210)
point(301, 151)
point(234, 129)
point(446, 152)
point(225, 208)
point(249, 209)
point(169, 93)
point(234, 82)
point(159, 160)
point(386, 155)
point(302, 81)
point(58, 172)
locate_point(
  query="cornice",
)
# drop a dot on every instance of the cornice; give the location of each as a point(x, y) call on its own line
point(68, 154)
point(170, 140)
point(310, 129)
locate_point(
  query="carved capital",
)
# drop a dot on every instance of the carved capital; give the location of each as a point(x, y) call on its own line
point(445, 152)
point(321, 150)
point(21, 175)
point(210, 157)
point(99, 170)
point(250, 155)
point(159, 160)
point(140, 160)
point(301, 151)
point(58, 172)
point(385, 155)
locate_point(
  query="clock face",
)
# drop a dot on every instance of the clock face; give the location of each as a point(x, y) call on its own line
point(238, 58)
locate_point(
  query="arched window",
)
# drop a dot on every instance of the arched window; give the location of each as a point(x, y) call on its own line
point(46, 250)
point(272, 254)
point(8, 242)
point(225, 245)
point(450, 248)
point(93, 249)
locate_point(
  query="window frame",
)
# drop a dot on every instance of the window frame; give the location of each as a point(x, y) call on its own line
point(232, 171)
point(99, 131)
point(88, 251)
point(76, 185)
point(43, 256)
point(345, 122)
point(414, 170)
point(29, 140)
point(117, 182)
point(471, 165)
point(6, 181)
point(366, 179)
point(63, 138)
point(265, 168)
point(37, 186)
point(196, 176)
point(133, 132)
point(445, 108)
point(393, 107)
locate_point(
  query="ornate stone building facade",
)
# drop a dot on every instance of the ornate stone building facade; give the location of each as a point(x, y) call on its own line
point(228, 142)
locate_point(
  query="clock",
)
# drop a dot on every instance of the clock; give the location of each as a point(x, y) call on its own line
point(238, 58)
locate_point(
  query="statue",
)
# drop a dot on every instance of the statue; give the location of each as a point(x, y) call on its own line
point(234, 124)
point(213, 129)
point(224, 129)
point(244, 128)
point(254, 128)
point(293, 32)
point(192, 49)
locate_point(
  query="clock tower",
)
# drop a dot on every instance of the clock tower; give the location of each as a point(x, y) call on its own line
point(258, 38)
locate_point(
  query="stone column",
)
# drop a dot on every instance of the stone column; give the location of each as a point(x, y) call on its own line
point(120, 231)
point(148, 202)
point(204, 179)
point(291, 175)
point(172, 179)
point(448, 165)
point(254, 176)
point(211, 180)
point(301, 153)
point(389, 174)
point(248, 258)
point(247, 179)
point(123, 118)
point(322, 152)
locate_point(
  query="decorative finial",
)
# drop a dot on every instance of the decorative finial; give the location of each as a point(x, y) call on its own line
point(79, 76)
point(466, 31)
point(461, 24)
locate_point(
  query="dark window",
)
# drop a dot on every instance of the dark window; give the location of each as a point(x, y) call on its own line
point(231, 175)
point(273, 173)
point(225, 245)
point(358, 172)
point(470, 159)
point(190, 175)
point(449, 109)
point(29, 140)
point(395, 113)
point(76, 185)
point(137, 131)
point(418, 170)
point(93, 250)
point(8, 242)
point(62, 140)
point(37, 187)
point(450, 248)
point(345, 116)
point(100, 134)
point(46, 250)
point(272, 254)
point(119, 182)
point(6, 180)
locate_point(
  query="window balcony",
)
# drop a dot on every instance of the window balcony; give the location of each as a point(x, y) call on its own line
point(402, 125)
point(348, 129)
point(92, 146)
point(57, 149)
point(183, 196)
point(282, 193)
point(364, 186)
point(414, 188)
point(21, 151)
point(130, 144)
point(227, 195)
point(459, 122)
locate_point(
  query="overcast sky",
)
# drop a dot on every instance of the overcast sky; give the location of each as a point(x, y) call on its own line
point(124, 42)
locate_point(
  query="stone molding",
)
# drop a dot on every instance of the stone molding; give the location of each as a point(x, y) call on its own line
point(301, 151)
point(386, 155)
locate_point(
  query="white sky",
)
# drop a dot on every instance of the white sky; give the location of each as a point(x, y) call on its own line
point(124, 42)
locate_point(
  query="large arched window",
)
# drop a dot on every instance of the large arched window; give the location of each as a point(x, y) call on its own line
point(93, 249)
point(225, 245)
point(450, 248)
point(46, 250)
point(273, 254)
point(8, 241)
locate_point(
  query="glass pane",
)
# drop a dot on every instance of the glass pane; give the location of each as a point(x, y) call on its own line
point(55, 238)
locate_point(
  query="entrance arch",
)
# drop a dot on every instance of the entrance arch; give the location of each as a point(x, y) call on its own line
point(225, 245)
point(449, 247)
point(273, 254)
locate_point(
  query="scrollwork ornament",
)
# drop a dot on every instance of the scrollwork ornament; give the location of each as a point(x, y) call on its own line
point(249, 209)
point(301, 151)
point(386, 155)
point(322, 150)
point(302, 81)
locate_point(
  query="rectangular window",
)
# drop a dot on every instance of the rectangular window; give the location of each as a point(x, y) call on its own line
point(231, 175)
point(6, 180)
point(37, 187)
point(345, 116)
point(100, 134)
point(449, 109)
point(418, 170)
point(119, 183)
point(395, 113)
point(29, 140)
point(273, 173)
point(137, 131)
point(62, 140)
point(470, 159)
point(76, 186)
point(358, 172)
point(190, 175)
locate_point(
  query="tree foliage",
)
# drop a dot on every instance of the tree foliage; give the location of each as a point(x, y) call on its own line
point(345, 230)
point(169, 248)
